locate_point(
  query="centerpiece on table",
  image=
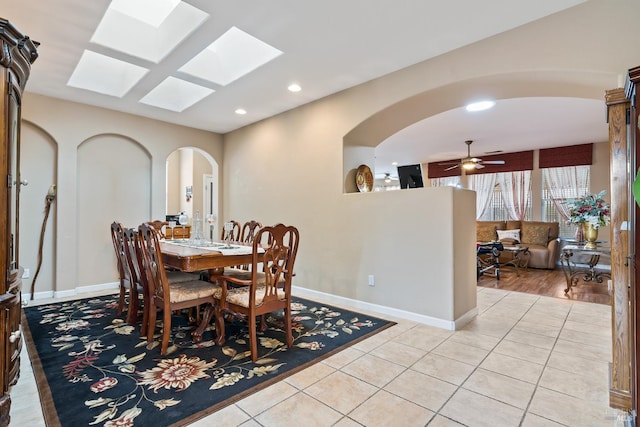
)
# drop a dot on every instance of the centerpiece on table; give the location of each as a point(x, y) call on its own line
point(590, 212)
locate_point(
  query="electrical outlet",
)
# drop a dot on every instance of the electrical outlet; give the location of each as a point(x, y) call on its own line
point(26, 273)
point(371, 281)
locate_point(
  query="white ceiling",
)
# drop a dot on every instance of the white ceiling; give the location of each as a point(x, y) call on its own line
point(327, 46)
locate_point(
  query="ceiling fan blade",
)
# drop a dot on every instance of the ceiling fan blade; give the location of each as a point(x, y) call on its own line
point(479, 166)
point(493, 162)
point(452, 167)
point(448, 163)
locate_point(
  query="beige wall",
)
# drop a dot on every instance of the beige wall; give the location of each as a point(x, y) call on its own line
point(292, 168)
point(300, 153)
point(108, 166)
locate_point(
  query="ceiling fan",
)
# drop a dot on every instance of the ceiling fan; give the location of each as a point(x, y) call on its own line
point(388, 178)
point(469, 163)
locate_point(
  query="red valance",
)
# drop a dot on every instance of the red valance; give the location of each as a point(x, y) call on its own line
point(520, 161)
point(437, 169)
point(572, 155)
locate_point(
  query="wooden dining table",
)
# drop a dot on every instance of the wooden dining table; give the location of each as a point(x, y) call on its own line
point(185, 257)
point(182, 255)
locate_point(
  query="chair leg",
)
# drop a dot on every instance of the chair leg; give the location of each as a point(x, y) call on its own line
point(121, 299)
point(287, 325)
point(151, 324)
point(253, 338)
point(166, 331)
point(145, 316)
point(132, 311)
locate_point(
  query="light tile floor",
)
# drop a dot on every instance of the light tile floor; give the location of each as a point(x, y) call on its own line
point(525, 360)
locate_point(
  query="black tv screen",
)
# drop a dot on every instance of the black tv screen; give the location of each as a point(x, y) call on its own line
point(410, 176)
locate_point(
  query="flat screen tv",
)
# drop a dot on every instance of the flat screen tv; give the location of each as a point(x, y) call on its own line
point(410, 176)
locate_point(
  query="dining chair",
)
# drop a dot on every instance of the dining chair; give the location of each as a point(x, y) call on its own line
point(174, 275)
point(159, 226)
point(235, 232)
point(125, 283)
point(265, 289)
point(136, 276)
point(169, 297)
point(248, 231)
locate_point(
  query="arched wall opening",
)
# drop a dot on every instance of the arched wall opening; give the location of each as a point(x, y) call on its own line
point(359, 144)
point(192, 184)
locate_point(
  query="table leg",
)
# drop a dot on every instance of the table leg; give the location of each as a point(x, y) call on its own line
point(209, 311)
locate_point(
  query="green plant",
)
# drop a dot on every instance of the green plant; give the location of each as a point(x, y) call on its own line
point(591, 208)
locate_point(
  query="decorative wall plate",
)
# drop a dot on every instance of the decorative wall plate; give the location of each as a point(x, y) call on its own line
point(364, 179)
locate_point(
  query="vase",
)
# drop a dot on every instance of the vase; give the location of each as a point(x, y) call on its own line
point(579, 236)
point(590, 235)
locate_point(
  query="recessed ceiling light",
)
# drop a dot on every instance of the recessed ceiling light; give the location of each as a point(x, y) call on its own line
point(294, 87)
point(164, 95)
point(231, 56)
point(480, 105)
point(394, 163)
point(104, 74)
point(241, 111)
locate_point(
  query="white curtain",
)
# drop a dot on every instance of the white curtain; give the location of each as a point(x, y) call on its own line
point(565, 183)
point(483, 185)
point(515, 189)
point(449, 181)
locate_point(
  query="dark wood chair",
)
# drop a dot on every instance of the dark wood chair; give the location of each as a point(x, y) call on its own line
point(248, 231)
point(263, 289)
point(124, 273)
point(169, 297)
point(133, 252)
point(159, 226)
point(235, 232)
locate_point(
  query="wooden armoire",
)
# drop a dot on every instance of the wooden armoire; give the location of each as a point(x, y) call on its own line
point(17, 53)
point(624, 142)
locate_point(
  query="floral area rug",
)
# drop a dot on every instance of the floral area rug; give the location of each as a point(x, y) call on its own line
point(92, 368)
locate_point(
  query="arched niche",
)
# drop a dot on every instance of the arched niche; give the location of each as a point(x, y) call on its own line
point(38, 165)
point(113, 183)
point(359, 144)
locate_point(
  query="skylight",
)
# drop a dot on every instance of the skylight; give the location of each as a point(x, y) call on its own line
point(231, 56)
point(176, 95)
point(103, 74)
point(147, 29)
point(151, 12)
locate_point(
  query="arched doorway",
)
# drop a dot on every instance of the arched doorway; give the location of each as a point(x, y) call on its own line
point(192, 184)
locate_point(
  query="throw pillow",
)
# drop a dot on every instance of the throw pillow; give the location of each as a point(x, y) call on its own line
point(509, 234)
point(535, 234)
point(486, 233)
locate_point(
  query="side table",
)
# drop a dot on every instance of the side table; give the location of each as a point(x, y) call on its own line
point(573, 273)
point(519, 257)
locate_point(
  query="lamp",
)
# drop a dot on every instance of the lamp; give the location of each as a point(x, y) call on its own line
point(468, 165)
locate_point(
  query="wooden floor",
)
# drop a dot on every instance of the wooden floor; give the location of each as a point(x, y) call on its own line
point(547, 282)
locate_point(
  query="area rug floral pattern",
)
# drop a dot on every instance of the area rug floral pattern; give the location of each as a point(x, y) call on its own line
point(93, 368)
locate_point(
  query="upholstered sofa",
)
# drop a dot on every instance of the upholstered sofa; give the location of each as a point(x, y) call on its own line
point(540, 237)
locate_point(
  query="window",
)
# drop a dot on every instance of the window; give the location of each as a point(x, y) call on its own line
point(449, 181)
point(558, 186)
point(502, 196)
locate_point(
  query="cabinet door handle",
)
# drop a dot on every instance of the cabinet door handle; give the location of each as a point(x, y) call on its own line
point(15, 336)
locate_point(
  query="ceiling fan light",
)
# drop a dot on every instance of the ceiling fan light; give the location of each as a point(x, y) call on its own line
point(468, 165)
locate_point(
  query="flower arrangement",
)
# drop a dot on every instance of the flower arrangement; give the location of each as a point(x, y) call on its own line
point(591, 208)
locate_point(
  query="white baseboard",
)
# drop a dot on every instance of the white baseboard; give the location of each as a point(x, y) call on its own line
point(298, 291)
point(390, 311)
point(77, 292)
